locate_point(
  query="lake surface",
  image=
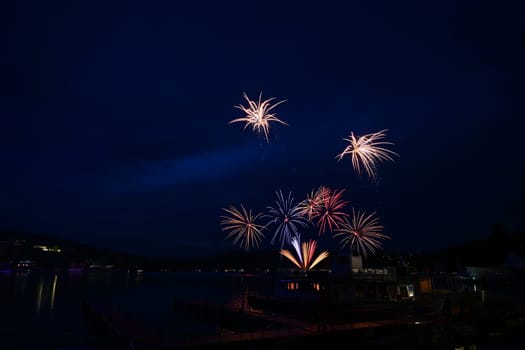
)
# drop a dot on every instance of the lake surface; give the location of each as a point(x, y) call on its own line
point(42, 310)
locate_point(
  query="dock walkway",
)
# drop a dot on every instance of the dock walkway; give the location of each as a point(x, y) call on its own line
point(240, 327)
point(244, 328)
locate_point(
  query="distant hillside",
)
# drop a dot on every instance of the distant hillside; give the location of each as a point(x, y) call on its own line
point(486, 252)
point(14, 235)
point(52, 251)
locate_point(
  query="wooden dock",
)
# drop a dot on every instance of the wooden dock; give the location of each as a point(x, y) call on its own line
point(251, 327)
point(239, 328)
point(242, 328)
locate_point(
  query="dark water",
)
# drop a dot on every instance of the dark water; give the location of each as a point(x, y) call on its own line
point(42, 310)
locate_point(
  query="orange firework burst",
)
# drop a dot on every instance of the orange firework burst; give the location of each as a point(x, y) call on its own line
point(306, 259)
point(242, 226)
point(258, 115)
point(362, 232)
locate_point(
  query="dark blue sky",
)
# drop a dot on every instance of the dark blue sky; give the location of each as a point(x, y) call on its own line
point(115, 116)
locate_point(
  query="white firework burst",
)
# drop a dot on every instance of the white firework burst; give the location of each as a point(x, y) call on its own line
point(258, 115)
point(366, 151)
point(287, 217)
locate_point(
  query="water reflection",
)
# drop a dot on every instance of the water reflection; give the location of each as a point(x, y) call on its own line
point(45, 295)
point(42, 309)
point(20, 282)
point(39, 291)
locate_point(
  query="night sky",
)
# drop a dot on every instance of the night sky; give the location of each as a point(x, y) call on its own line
point(115, 116)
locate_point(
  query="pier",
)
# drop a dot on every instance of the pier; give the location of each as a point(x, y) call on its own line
point(240, 328)
point(367, 327)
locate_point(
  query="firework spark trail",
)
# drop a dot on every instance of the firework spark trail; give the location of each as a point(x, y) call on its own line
point(287, 216)
point(311, 206)
point(242, 226)
point(331, 214)
point(306, 259)
point(362, 232)
point(258, 115)
point(366, 151)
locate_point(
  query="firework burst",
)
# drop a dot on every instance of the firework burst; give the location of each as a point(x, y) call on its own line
point(362, 232)
point(306, 258)
point(258, 115)
point(366, 151)
point(242, 226)
point(311, 206)
point(330, 214)
point(287, 216)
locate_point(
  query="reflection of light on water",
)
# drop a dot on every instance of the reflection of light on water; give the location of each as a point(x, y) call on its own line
point(45, 294)
point(135, 277)
point(39, 295)
point(52, 303)
point(20, 282)
point(138, 277)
